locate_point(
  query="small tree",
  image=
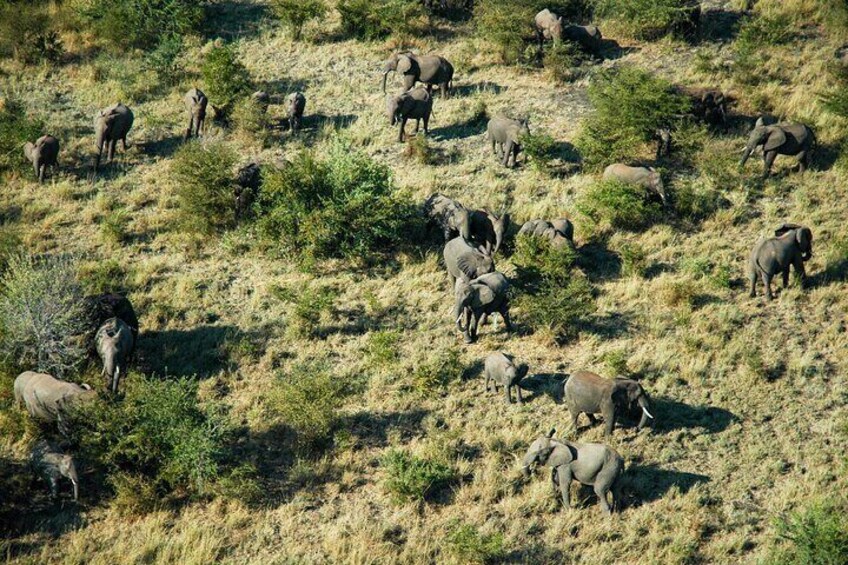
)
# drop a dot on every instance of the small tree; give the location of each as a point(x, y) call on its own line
point(295, 13)
point(226, 78)
point(204, 178)
point(16, 128)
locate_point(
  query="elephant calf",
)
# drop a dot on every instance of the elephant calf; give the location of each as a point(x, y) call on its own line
point(477, 299)
point(51, 464)
point(417, 104)
point(295, 105)
point(781, 139)
point(48, 399)
point(246, 189)
point(488, 230)
point(505, 135)
point(646, 177)
point(791, 246)
point(42, 154)
point(592, 464)
point(558, 232)
point(110, 126)
point(196, 103)
point(501, 369)
point(115, 344)
point(591, 394)
point(588, 37)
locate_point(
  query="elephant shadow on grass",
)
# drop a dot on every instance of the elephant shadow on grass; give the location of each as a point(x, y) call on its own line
point(611, 50)
point(825, 156)
point(544, 384)
point(835, 271)
point(719, 24)
point(673, 415)
point(464, 90)
point(599, 261)
point(161, 147)
point(200, 351)
point(642, 484)
point(372, 429)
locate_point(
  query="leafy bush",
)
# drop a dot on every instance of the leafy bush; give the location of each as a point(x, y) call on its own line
point(27, 31)
point(418, 149)
point(41, 314)
point(376, 19)
point(204, 186)
point(538, 260)
point(341, 206)
point(618, 205)
point(295, 13)
point(616, 362)
point(114, 226)
point(249, 116)
point(10, 244)
point(16, 128)
point(139, 23)
point(437, 372)
point(468, 545)
point(696, 202)
point(761, 30)
point(99, 276)
point(225, 77)
point(412, 479)
point(539, 148)
point(135, 495)
point(818, 534)
point(646, 19)
point(629, 105)
point(165, 60)
point(561, 60)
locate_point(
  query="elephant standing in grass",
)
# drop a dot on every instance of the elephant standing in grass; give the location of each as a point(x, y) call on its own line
point(781, 139)
point(246, 189)
point(646, 177)
point(465, 262)
point(548, 26)
point(42, 154)
point(475, 300)
point(262, 99)
point(295, 105)
point(488, 230)
point(791, 246)
point(196, 103)
point(592, 464)
point(558, 232)
point(589, 37)
point(115, 344)
point(452, 218)
point(505, 135)
point(417, 104)
point(431, 70)
point(708, 104)
point(110, 126)
point(591, 394)
point(501, 369)
point(51, 464)
point(48, 399)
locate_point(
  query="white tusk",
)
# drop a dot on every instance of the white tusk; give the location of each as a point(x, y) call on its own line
point(459, 318)
point(647, 413)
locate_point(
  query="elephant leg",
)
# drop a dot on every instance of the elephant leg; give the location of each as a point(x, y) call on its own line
point(190, 128)
point(504, 312)
point(402, 127)
point(41, 169)
point(609, 424)
point(518, 393)
point(445, 90)
point(767, 284)
point(124, 142)
point(472, 328)
point(99, 157)
point(785, 275)
point(427, 124)
point(802, 161)
point(799, 269)
point(507, 150)
point(574, 415)
point(484, 318)
point(508, 393)
point(768, 161)
point(752, 279)
point(417, 125)
point(601, 490)
point(564, 479)
point(112, 145)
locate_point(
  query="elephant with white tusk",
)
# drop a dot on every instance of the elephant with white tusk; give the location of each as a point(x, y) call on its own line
point(431, 70)
point(51, 464)
point(590, 394)
point(42, 154)
point(781, 139)
point(115, 344)
point(791, 246)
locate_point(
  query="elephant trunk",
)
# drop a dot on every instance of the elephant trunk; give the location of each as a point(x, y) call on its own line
point(76, 488)
point(643, 404)
point(747, 153)
point(385, 77)
point(458, 311)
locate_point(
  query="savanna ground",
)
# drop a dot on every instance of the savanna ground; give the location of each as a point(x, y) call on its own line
point(749, 397)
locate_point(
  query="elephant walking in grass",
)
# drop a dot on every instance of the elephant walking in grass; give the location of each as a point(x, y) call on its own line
point(559, 232)
point(196, 103)
point(417, 104)
point(431, 70)
point(42, 154)
point(548, 26)
point(791, 247)
point(646, 177)
point(100, 307)
point(295, 105)
point(781, 139)
point(48, 399)
point(590, 394)
point(49, 463)
point(504, 134)
point(110, 126)
point(477, 299)
point(466, 262)
point(115, 344)
point(500, 369)
point(592, 464)
point(451, 217)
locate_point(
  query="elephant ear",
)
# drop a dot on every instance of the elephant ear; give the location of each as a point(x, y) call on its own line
point(620, 396)
point(776, 138)
point(562, 454)
point(467, 266)
point(404, 64)
point(485, 295)
point(785, 228)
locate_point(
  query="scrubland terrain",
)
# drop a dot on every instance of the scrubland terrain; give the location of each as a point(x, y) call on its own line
point(749, 396)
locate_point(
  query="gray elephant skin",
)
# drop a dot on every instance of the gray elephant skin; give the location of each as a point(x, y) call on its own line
point(246, 189)
point(504, 134)
point(488, 229)
point(559, 232)
point(295, 105)
point(663, 138)
point(110, 126)
point(48, 399)
point(548, 26)
point(417, 104)
point(451, 217)
point(646, 177)
point(781, 139)
point(500, 369)
point(466, 262)
point(477, 299)
point(791, 247)
point(708, 104)
point(590, 394)
point(42, 154)
point(49, 463)
point(432, 70)
point(115, 344)
point(592, 464)
point(195, 102)
point(588, 37)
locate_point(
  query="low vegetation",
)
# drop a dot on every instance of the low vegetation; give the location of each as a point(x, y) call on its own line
point(647, 19)
point(226, 78)
point(614, 204)
point(16, 128)
point(204, 177)
point(294, 14)
point(377, 19)
point(413, 479)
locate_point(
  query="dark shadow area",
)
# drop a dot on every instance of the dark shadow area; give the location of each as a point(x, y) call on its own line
point(230, 19)
point(719, 25)
point(464, 90)
point(460, 130)
point(279, 89)
point(475, 370)
point(641, 484)
point(825, 156)
point(835, 271)
point(10, 213)
point(610, 326)
point(372, 429)
point(657, 269)
point(550, 384)
point(356, 321)
point(315, 122)
point(673, 415)
point(610, 49)
point(598, 261)
point(182, 353)
point(164, 147)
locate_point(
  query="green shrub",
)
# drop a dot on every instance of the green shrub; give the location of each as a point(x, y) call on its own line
point(100, 276)
point(135, 495)
point(817, 535)
point(139, 23)
point(114, 226)
point(225, 77)
point(618, 204)
point(436, 372)
point(309, 305)
point(645, 19)
point(418, 149)
point(413, 479)
point(506, 25)
point(204, 186)
point(165, 59)
point(27, 32)
point(468, 545)
point(537, 260)
point(343, 205)
point(629, 105)
point(376, 19)
point(763, 30)
point(540, 149)
point(561, 60)
point(10, 244)
point(696, 202)
point(240, 483)
point(558, 308)
point(295, 13)
point(616, 362)
point(250, 117)
point(16, 128)
point(41, 315)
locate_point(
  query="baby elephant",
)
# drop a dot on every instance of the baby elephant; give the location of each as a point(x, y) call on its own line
point(505, 136)
point(51, 464)
point(195, 102)
point(115, 344)
point(559, 232)
point(42, 154)
point(502, 370)
point(591, 394)
point(646, 177)
point(295, 105)
point(592, 464)
point(110, 126)
point(791, 246)
point(416, 104)
point(548, 26)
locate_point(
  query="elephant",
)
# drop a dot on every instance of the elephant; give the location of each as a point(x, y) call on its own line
point(592, 464)
point(662, 136)
point(51, 464)
point(647, 177)
point(42, 154)
point(708, 104)
point(791, 246)
point(450, 216)
point(262, 99)
point(110, 126)
point(115, 344)
point(295, 105)
point(48, 399)
point(196, 103)
point(505, 136)
point(558, 232)
point(475, 300)
point(548, 26)
point(428, 69)
point(100, 307)
point(766, 120)
point(488, 230)
point(501, 369)
point(781, 139)
point(417, 104)
point(466, 262)
point(587, 37)
point(246, 189)
point(590, 394)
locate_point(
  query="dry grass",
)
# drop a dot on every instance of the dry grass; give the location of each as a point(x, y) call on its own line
point(749, 397)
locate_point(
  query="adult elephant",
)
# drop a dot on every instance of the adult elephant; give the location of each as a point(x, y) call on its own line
point(432, 70)
point(466, 262)
point(646, 177)
point(558, 232)
point(791, 246)
point(488, 229)
point(451, 217)
point(110, 126)
point(195, 102)
point(781, 139)
point(115, 344)
point(590, 394)
point(477, 299)
point(48, 399)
